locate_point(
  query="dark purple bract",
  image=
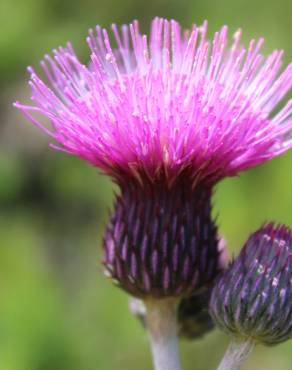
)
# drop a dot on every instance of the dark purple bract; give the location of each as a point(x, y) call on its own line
point(253, 297)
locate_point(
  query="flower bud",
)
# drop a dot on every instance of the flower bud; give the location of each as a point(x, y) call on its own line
point(252, 299)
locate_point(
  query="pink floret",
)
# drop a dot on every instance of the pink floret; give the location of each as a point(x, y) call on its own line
point(176, 101)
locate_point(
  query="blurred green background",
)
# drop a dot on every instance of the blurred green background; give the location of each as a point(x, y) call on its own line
point(57, 310)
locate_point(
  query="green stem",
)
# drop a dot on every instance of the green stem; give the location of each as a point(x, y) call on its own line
point(236, 354)
point(162, 328)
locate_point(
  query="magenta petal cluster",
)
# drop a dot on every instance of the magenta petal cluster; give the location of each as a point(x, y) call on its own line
point(161, 105)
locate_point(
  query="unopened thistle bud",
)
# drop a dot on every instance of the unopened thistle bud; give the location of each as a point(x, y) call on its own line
point(252, 299)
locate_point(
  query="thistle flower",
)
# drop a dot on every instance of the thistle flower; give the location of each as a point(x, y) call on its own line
point(166, 119)
point(252, 300)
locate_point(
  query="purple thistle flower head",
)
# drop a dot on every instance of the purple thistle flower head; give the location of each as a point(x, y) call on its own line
point(166, 117)
point(252, 299)
point(152, 108)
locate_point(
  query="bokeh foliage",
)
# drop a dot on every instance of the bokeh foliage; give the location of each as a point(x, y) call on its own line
point(57, 311)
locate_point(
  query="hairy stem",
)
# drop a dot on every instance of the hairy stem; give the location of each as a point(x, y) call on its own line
point(236, 354)
point(161, 325)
